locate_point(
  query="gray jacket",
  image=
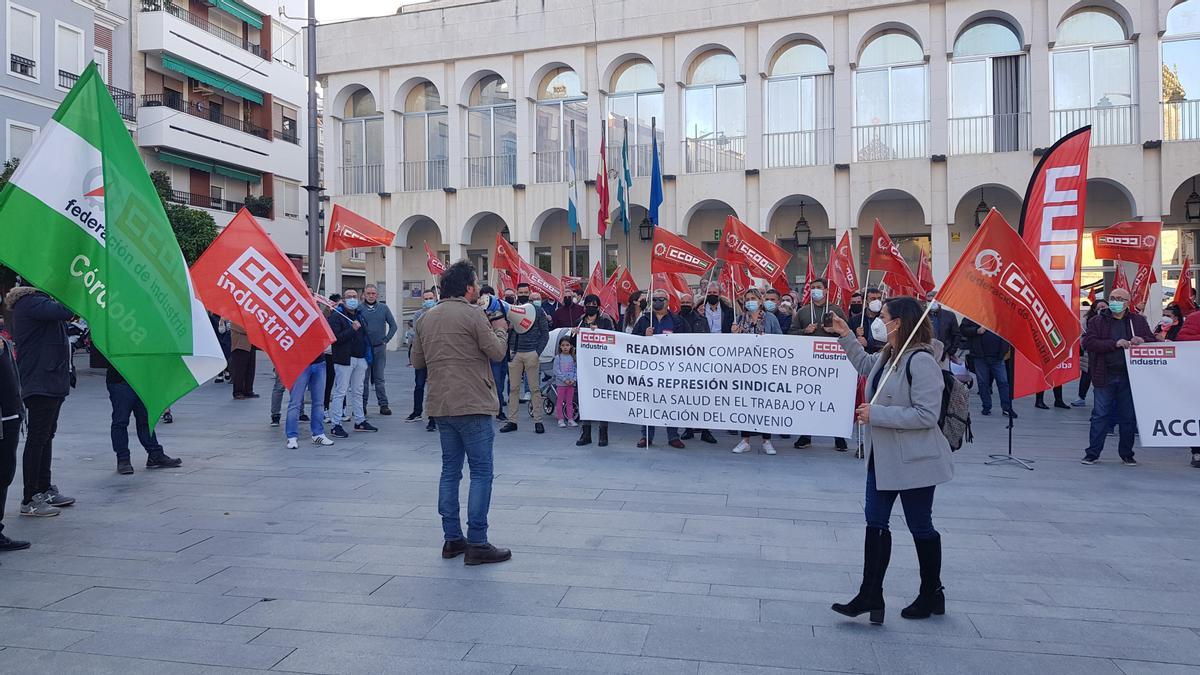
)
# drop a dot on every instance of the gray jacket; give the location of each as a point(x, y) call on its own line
point(532, 340)
point(903, 437)
point(381, 325)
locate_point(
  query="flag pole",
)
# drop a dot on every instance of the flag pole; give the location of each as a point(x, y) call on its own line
point(624, 168)
point(574, 230)
point(1010, 368)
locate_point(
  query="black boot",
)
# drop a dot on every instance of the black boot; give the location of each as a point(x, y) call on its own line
point(585, 436)
point(877, 551)
point(603, 436)
point(932, 598)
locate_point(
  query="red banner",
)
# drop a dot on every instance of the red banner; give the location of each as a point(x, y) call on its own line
point(885, 255)
point(245, 278)
point(507, 257)
point(545, 283)
point(672, 253)
point(1120, 281)
point(573, 283)
point(1052, 220)
point(999, 284)
point(664, 281)
point(504, 282)
point(624, 284)
point(925, 274)
point(842, 272)
point(1183, 290)
point(347, 229)
point(1142, 282)
point(740, 244)
point(1133, 241)
point(434, 262)
point(734, 281)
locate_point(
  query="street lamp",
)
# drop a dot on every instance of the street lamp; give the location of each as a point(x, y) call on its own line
point(1192, 205)
point(802, 232)
point(981, 210)
point(646, 229)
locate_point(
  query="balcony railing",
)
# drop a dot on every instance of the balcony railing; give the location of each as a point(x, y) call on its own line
point(205, 201)
point(22, 66)
point(983, 134)
point(640, 158)
point(431, 174)
point(799, 148)
point(1111, 124)
point(489, 170)
point(1181, 120)
point(362, 179)
point(203, 111)
point(126, 100)
point(203, 24)
point(712, 155)
point(900, 140)
point(287, 137)
point(553, 167)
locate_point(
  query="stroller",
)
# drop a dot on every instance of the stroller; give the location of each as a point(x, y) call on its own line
point(546, 377)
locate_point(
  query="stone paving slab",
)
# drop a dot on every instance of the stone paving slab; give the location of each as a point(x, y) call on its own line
point(253, 558)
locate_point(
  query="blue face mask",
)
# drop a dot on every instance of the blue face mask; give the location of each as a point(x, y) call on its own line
point(769, 305)
point(537, 303)
point(428, 304)
point(751, 305)
point(351, 303)
point(1116, 306)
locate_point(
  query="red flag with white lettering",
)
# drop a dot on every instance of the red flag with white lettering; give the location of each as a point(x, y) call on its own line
point(925, 274)
point(244, 277)
point(740, 244)
point(1183, 290)
point(1133, 241)
point(434, 262)
point(543, 282)
point(624, 285)
point(347, 229)
point(507, 257)
point(809, 275)
point(672, 253)
point(885, 255)
point(1142, 281)
point(843, 275)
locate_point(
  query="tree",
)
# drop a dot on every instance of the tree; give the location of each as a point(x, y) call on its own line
point(194, 229)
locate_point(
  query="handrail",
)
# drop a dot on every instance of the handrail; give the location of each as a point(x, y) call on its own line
point(203, 24)
point(197, 109)
point(126, 100)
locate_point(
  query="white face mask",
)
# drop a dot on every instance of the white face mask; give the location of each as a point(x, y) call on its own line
point(818, 294)
point(935, 306)
point(879, 330)
point(875, 306)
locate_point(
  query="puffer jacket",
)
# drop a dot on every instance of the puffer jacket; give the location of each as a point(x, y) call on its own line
point(10, 386)
point(1191, 329)
point(532, 340)
point(39, 330)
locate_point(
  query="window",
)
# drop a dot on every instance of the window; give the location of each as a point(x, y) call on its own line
point(561, 102)
point(217, 194)
point(287, 195)
point(989, 104)
point(799, 107)
point(362, 145)
point(68, 51)
point(1181, 73)
point(1092, 78)
point(100, 56)
point(425, 138)
point(491, 134)
point(581, 261)
point(358, 255)
point(542, 259)
point(890, 113)
point(24, 42)
point(19, 139)
point(714, 114)
point(636, 104)
point(286, 44)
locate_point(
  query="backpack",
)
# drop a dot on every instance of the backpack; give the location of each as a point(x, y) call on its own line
point(954, 417)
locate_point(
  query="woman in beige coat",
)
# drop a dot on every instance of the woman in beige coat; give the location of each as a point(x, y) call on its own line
point(907, 455)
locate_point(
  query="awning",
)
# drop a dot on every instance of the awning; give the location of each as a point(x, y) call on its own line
point(212, 79)
point(209, 166)
point(239, 11)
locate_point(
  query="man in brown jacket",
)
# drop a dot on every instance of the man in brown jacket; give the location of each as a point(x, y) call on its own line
point(457, 345)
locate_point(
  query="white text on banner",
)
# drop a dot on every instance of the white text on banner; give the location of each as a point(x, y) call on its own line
point(1165, 390)
point(770, 383)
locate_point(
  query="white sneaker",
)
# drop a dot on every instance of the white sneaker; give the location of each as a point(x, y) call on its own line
point(345, 418)
point(744, 446)
point(562, 424)
point(768, 448)
point(572, 423)
point(292, 444)
point(322, 439)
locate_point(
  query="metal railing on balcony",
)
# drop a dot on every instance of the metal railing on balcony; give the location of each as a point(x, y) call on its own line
point(203, 24)
point(430, 174)
point(287, 136)
point(1111, 124)
point(1181, 120)
point(553, 167)
point(489, 170)
point(799, 148)
point(712, 155)
point(640, 157)
point(126, 100)
point(362, 179)
point(205, 111)
point(22, 66)
point(205, 201)
point(983, 134)
point(899, 140)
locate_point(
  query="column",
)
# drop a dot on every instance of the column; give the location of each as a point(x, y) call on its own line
point(1039, 79)
point(393, 258)
point(843, 94)
point(939, 219)
point(456, 118)
point(754, 103)
point(938, 87)
point(391, 139)
point(333, 273)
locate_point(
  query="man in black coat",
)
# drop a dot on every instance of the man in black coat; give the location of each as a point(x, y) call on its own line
point(39, 329)
point(593, 318)
point(696, 323)
point(989, 353)
point(717, 313)
point(11, 413)
point(945, 327)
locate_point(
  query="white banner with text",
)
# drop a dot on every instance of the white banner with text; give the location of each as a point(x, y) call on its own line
point(770, 383)
point(1165, 388)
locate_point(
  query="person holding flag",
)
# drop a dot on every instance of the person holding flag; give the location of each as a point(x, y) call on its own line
point(660, 321)
point(593, 319)
point(351, 353)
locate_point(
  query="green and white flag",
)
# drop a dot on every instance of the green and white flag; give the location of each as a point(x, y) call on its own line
point(81, 220)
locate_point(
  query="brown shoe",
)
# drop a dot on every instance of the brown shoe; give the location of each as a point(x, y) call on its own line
point(454, 548)
point(641, 443)
point(677, 444)
point(485, 554)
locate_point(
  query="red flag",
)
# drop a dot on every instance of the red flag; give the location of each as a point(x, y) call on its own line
point(507, 257)
point(885, 255)
point(1052, 220)
point(595, 281)
point(842, 273)
point(1120, 281)
point(504, 282)
point(1142, 281)
point(1134, 241)
point(809, 275)
point(608, 296)
point(1000, 285)
point(347, 229)
point(244, 277)
point(434, 262)
point(675, 287)
point(741, 245)
point(602, 215)
point(547, 284)
point(625, 285)
point(672, 253)
point(1092, 295)
point(925, 274)
point(1183, 289)
point(733, 280)
point(573, 283)
point(897, 286)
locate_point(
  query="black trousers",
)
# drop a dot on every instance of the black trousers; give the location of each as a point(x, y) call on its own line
point(8, 461)
point(43, 422)
point(242, 370)
point(329, 373)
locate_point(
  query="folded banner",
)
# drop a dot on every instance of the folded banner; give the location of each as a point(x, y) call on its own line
point(740, 244)
point(885, 255)
point(809, 276)
point(1142, 282)
point(545, 283)
point(1165, 391)
point(434, 262)
point(347, 229)
point(604, 289)
point(1133, 241)
point(769, 383)
point(244, 277)
point(672, 253)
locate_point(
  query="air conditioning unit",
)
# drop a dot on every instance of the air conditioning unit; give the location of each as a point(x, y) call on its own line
point(201, 88)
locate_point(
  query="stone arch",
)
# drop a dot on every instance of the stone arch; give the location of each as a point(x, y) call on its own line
point(464, 91)
point(416, 221)
point(1127, 17)
point(786, 40)
point(411, 83)
point(996, 195)
point(533, 86)
point(468, 228)
point(535, 230)
point(1108, 201)
point(348, 90)
point(706, 205)
point(700, 50)
point(887, 195)
point(878, 29)
point(999, 15)
point(611, 69)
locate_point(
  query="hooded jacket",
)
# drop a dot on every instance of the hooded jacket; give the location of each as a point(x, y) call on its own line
point(39, 330)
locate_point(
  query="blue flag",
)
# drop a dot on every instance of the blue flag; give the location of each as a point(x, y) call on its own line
point(656, 192)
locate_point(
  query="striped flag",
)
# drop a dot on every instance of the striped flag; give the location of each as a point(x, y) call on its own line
point(602, 217)
point(625, 181)
point(572, 186)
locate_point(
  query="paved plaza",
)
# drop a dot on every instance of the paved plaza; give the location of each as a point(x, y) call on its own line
point(252, 557)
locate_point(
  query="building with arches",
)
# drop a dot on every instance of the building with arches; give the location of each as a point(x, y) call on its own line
point(806, 121)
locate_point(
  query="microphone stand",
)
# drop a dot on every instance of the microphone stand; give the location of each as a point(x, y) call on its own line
point(1000, 458)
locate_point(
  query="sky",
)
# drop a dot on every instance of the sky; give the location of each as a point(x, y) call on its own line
point(341, 10)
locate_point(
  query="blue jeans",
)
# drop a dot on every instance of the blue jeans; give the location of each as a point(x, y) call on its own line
point(312, 379)
point(987, 371)
point(419, 391)
point(468, 436)
point(126, 401)
point(672, 433)
point(917, 502)
point(500, 378)
point(1112, 406)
